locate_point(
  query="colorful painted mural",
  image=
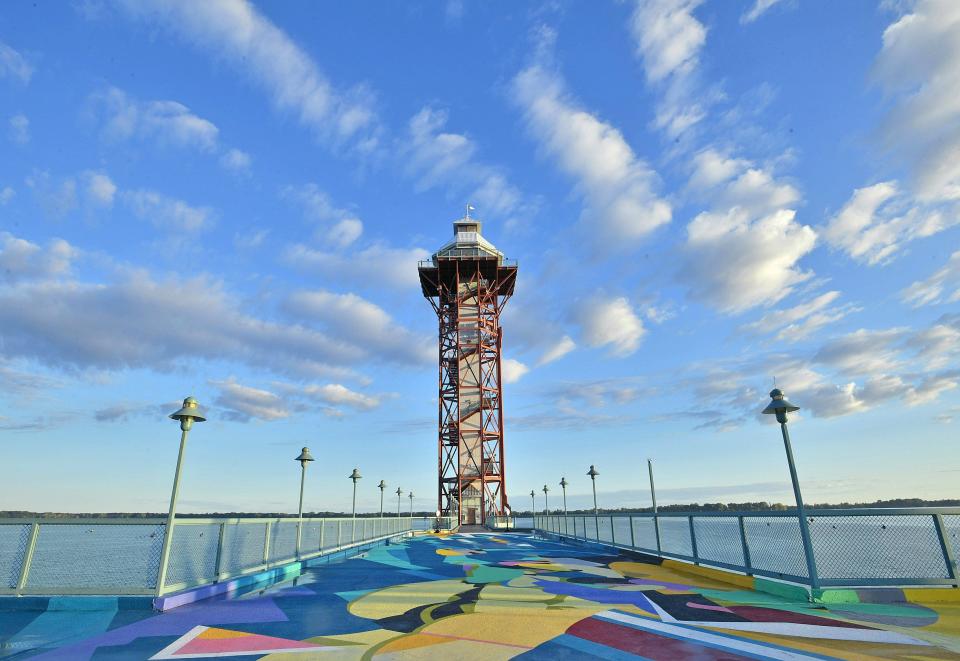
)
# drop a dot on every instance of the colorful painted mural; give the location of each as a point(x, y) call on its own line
point(487, 596)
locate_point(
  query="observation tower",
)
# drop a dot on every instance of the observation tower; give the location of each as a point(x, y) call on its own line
point(468, 282)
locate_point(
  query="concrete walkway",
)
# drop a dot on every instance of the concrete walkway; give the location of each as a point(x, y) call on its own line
point(487, 596)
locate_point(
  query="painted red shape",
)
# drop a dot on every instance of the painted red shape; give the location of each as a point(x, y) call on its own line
point(647, 644)
point(757, 614)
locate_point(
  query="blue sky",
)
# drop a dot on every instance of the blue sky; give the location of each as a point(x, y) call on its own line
point(228, 200)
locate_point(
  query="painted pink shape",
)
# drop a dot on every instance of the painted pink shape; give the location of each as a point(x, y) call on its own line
point(708, 607)
point(247, 643)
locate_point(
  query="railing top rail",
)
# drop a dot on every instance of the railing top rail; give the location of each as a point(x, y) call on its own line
point(853, 511)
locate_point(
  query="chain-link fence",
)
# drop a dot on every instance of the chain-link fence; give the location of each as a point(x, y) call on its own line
point(849, 547)
point(122, 556)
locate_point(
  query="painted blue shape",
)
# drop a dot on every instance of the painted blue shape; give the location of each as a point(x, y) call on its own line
point(600, 595)
point(350, 595)
point(67, 620)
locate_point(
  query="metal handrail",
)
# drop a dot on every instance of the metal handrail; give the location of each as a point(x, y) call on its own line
point(140, 571)
point(911, 546)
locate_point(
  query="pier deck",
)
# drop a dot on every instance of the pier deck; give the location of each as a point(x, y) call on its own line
point(493, 596)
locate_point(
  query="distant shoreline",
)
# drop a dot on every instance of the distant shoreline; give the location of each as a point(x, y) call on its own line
point(689, 507)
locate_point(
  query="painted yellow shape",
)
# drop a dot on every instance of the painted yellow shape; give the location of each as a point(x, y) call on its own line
point(720, 576)
point(454, 648)
point(409, 642)
point(523, 581)
point(932, 595)
point(508, 626)
point(503, 593)
point(498, 540)
point(450, 552)
point(398, 599)
point(631, 569)
point(544, 566)
point(217, 634)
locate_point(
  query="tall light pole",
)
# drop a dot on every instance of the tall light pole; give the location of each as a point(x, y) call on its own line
point(546, 500)
point(653, 497)
point(780, 407)
point(381, 486)
point(563, 485)
point(189, 413)
point(355, 475)
point(399, 492)
point(506, 511)
point(593, 472)
point(303, 459)
point(411, 505)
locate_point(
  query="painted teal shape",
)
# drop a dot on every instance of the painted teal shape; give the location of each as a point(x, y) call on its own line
point(488, 574)
point(394, 557)
point(350, 595)
point(63, 624)
point(464, 560)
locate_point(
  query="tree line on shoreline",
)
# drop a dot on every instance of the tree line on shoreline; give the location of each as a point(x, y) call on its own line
point(694, 507)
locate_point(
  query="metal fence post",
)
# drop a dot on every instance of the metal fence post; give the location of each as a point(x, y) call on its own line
point(656, 530)
point(946, 546)
point(339, 535)
point(217, 567)
point(633, 541)
point(266, 544)
point(693, 540)
point(323, 524)
point(746, 547)
point(613, 533)
point(28, 558)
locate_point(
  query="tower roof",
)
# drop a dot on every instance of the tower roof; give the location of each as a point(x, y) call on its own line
point(467, 242)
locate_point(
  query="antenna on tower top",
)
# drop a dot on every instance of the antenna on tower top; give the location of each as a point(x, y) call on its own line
point(469, 209)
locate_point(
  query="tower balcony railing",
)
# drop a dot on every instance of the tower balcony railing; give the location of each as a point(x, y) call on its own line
point(467, 254)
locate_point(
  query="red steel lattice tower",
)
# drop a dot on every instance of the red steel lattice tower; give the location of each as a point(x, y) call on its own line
point(468, 282)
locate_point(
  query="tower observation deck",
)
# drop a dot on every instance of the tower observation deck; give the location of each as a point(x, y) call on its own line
point(468, 282)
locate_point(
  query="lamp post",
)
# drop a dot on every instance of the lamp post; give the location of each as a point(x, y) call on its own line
point(189, 413)
point(779, 406)
point(398, 501)
point(533, 504)
point(563, 485)
point(355, 475)
point(593, 472)
point(546, 500)
point(653, 497)
point(303, 459)
point(411, 507)
point(506, 510)
point(381, 486)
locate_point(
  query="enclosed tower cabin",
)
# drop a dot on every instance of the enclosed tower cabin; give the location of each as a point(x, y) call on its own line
point(467, 282)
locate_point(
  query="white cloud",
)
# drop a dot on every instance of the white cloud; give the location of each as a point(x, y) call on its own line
point(943, 286)
point(734, 263)
point(802, 320)
point(243, 402)
point(168, 122)
point(611, 323)
point(57, 197)
point(435, 157)
point(513, 370)
point(711, 168)
point(759, 7)
point(339, 395)
point(138, 322)
point(557, 350)
point(167, 213)
point(938, 346)
point(236, 161)
point(22, 260)
point(100, 188)
point(341, 226)
point(357, 320)
point(621, 205)
point(862, 351)
point(669, 39)
point(13, 64)
point(919, 66)
point(18, 129)
point(375, 265)
point(236, 31)
point(6, 194)
point(875, 223)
